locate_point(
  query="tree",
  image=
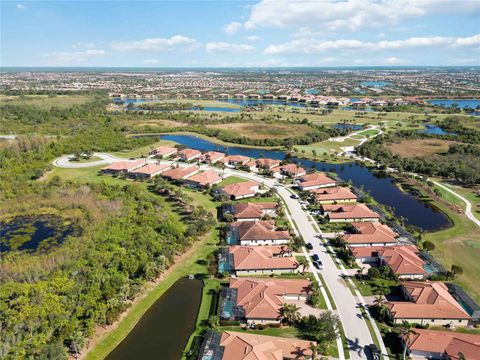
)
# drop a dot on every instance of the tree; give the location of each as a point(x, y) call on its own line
point(381, 307)
point(289, 313)
point(214, 321)
point(303, 262)
point(428, 246)
point(373, 273)
point(406, 332)
point(323, 329)
point(316, 349)
point(457, 270)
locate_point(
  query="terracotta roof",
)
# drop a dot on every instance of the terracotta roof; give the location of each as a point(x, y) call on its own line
point(448, 342)
point(236, 159)
point(180, 172)
point(258, 230)
point(124, 165)
point(213, 155)
point(403, 260)
point(261, 257)
point(267, 163)
point(263, 298)
point(316, 179)
point(251, 210)
point(241, 189)
point(150, 169)
point(334, 193)
point(291, 169)
point(189, 153)
point(164, 150)
point(354, 211)
point(206, 178)
point(430, 300)
point(248, 346)
point(371, 232)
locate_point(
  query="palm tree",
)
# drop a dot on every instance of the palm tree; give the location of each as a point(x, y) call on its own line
point(406, 332)
point(316, 350)
point(289, 313)
point(382, 308)
point(303, 262)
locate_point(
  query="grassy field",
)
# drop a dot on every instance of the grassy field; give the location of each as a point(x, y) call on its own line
point(470, 195)
point(264, 131)
point(419, 147)
point(325, 150)
point(231, 180)
point(366, 133)
point(459, 245)
point(45, 101)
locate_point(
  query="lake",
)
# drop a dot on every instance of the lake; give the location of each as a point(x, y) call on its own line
point(31, 233)
point(461, 103)
point(432, 129)
point(381, 187)
point(163, 331)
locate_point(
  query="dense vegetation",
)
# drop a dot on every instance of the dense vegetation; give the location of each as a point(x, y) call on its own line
point(52, 299)
point(460, 162)
point(163, 106)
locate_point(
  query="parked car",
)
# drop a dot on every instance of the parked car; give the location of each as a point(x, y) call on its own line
point(293, 196)
point(317, 262)
point(309, 246)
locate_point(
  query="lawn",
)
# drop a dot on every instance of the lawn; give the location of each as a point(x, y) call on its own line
point(469, 194)
point(374, 286)
point(231, 180)
point(325, 150)
point(366, 133)
point(264, 131)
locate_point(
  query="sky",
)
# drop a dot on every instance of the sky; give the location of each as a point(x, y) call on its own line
point(235, 33)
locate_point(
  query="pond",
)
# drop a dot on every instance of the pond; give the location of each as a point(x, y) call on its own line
point(348, 127)
point(164, 329)
point(434, 130)
point(460, 103)
point(381, 187)
point(31, 233)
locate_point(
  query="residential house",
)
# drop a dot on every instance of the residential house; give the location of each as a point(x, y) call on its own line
point(250, 211)
point(349, 213)
point(122, 166)
point(402, 260)
point(259, 300)
point(149, 171)
point(241, 190)
point(290, 170)
point(211, 157)
point(428, 303)
point(371, 234)
point(261, 260)
point(180, 173)
point(267, 164)
point(189, 154)
point(204, 179)
point(334, 195)
point(235, 160)
point(253, 233)
point(314, 181)
point(164, 151)
point(231, 345)
point(447, 345)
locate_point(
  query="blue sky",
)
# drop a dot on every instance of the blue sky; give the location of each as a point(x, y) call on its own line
point(240, 33)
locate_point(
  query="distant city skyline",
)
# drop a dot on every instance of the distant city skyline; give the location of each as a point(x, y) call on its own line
point(266, 33)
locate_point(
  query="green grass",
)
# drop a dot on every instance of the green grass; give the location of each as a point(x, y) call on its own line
point(231, 180)
point(365, 133)
point(330, 297)
point(189, 265)
point(370, 287)
point(325, 150)
point(209, 103)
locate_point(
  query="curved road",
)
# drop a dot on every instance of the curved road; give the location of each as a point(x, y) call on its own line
point(348, 305)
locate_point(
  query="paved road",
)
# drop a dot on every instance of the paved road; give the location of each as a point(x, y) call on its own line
point(355, 327)
point(65, 161)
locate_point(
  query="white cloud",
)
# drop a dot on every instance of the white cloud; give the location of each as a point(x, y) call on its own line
point(309, 45)
point(350, 14)
point(252, 38)
point(232, 28)
point(21, 7)
point(394, 61)
point(65, 57)
point(155, 44)
point(151, 62)
point(228, 48)
point(83, 45)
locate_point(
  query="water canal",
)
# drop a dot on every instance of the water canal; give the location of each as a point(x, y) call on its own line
point(381, 187)
point(164, 329)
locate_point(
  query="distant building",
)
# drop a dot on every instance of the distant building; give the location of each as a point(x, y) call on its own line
point(212, 157)
point(250, 211)
point(254, 233)
point(334, 195)
point(149, 171)
point(122, 166)
point(349, 213)
point(241, 190)
point(204, 179)
point(163, 151)
point(290, 170)
point(371, 234)
point(265, 163)
point(189, 154)
point(314, 181)
point(180, 173)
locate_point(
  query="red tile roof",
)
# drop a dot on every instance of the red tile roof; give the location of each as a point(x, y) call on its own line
point(180, 172)
point(213, 155)
point(206, 178)
point(258, 230)
point(261, 258)
point(241, 189)
point(446, 342)
point(267, 163)
point(124, 165)
point(238, 159)
point(430, 300)
point(371, 232)
point(189, 153)
point(164, 150)
point(248, 346)
point(263, 298)
point(291, 169)
point(355, 211)
point(252, 210)
point(316, 179)
point(151, 169)
point(334, 194)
